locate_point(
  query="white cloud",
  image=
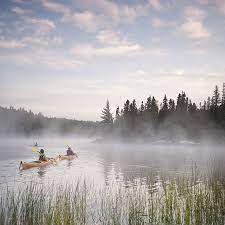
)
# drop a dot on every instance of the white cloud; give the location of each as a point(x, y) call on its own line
point(193, 26)
point(195, 29)
point(108, 7)
point(86, 20)
point(203, 2)
point(155, 4)
point(30, 32)
point(52, 59)
point(19, 1)
point(91, 51)
point(220, 4)
point(178, 72)
point(10, 44)
point(132, 49)
point(117, 12)
point(41, 26)
point(20, 11)
point(91, 20)
point(41, 40)
point(194, 13)
point(111, 38)
point(157, 23)
point(55, 7)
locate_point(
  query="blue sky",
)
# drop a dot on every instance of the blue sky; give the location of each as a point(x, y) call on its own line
point(65, 58)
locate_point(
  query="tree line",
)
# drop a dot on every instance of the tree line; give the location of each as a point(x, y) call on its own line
point(22, 122)
point(172, 119)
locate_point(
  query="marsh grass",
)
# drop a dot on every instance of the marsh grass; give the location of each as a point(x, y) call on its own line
point(188, 200)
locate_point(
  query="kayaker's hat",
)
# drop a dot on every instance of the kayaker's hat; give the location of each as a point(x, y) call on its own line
point(42, 151)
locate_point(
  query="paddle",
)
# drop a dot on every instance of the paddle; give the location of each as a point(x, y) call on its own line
point(34, 149)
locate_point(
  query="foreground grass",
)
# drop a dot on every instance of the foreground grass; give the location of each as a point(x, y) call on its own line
point(184, 200)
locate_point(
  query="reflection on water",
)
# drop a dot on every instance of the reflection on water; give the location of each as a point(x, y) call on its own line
point(42, 171)
point(105, 164)
point(70, 163)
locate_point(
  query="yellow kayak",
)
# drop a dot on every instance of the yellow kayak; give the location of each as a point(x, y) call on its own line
point(28, 165)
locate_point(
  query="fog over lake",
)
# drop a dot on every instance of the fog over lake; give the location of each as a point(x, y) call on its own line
point(105, 163)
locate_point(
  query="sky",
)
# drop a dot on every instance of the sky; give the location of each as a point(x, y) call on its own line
point(66, 58)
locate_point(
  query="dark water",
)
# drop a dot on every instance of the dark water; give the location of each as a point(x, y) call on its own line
point(104, 164)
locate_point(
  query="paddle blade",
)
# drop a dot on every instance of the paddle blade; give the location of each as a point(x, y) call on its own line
point(34, 149)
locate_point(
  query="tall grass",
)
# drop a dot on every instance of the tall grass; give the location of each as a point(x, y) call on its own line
point(186, 200)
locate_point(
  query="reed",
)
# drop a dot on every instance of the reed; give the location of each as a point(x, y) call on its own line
point(186, 200)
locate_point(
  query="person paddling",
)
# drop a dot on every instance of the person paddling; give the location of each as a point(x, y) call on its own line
point(42, 156)
point(70, 152)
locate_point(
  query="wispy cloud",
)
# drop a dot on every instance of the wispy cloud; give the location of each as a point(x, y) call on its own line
point(193, 26)
point(30, 31)
point(86, 20)
point(203, 2)
point(91, 51)
point(21, 11)
point(156, 4)
point(220, 5)
point(158, 23)
point(194, 13)
point(109, 13)
point(119, 13)
point(110, 37)
point(11, 44)
point(45, 58)
point(195, 29)
point(55, 7)
point(41, 26)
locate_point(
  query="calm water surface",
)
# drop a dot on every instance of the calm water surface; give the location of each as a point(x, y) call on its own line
point(103, 164)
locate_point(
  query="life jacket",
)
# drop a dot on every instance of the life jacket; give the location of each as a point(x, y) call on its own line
point(42, 156)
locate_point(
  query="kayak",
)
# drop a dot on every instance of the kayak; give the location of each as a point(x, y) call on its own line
point(28, 165)
point(67, 157)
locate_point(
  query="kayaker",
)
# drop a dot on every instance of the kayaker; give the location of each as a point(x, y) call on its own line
point(70, 151)
point(36, 144)
point(42, 156)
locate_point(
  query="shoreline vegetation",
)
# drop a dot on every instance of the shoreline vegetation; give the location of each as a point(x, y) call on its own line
point(172, 120)
point(190, 199)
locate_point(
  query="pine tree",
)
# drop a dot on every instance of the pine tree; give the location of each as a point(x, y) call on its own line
point(223, 96)
point(165, 104)
point(154, 109)
point(182, 102)
point(164, 109)
point(147, 113)
point(208, 104)
point(117, 112)
point(192, 108)
point(142, 108)
point(126, 116)
point(216, 97)
point(171, 105)
point(148, 103)
point(106, 116)
point(133, 114)
point(215, 101)
point(141, 111)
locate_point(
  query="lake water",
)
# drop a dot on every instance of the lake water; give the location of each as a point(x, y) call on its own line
point(104, 164)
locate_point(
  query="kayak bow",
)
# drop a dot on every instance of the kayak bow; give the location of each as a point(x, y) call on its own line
point(67, 157)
